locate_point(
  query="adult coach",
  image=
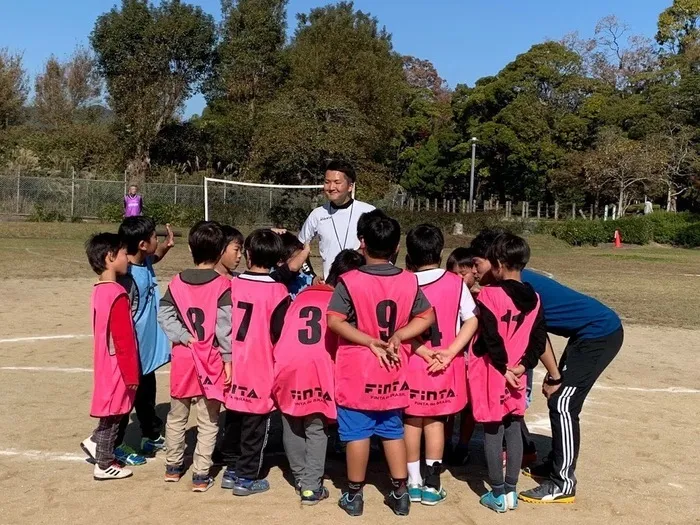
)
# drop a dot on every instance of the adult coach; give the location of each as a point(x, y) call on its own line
point(595, 337)
point(335, 223)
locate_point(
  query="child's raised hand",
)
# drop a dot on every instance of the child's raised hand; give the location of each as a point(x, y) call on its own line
point(170, 237)
point(279, 231)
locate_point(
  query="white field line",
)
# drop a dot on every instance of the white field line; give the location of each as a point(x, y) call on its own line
point(31, 252)
point(44, 338)
point(42, 455)
point(539, 376)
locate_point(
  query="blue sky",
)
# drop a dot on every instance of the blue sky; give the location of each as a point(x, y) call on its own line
point(465, 39)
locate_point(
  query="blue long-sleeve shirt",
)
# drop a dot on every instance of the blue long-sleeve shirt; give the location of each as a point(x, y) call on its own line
point(569, 313)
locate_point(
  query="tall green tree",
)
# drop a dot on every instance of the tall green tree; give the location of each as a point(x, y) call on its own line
point(248, 69)
point(152, 58)
point(343, 97)
point(14, 88)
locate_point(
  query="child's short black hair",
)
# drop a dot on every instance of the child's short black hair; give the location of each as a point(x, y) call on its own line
point(345, 261)
point(290, 244)
point(510, 251)
point(99, 246)
point(424, 245)
point(133, 230)
point(460, 258)
point(342, 166)
point(382, 235)
point(206, 242)
point(364, 220)
point(263, 248)
point(231, 234)
point(483, 241)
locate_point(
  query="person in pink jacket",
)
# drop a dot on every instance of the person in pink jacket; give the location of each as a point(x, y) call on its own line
point(116, 365)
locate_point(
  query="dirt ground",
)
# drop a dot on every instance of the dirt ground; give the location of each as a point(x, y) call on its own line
point(638, 464)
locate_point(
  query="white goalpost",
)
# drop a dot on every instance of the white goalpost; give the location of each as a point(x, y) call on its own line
point(259, 204)
point(252, 203)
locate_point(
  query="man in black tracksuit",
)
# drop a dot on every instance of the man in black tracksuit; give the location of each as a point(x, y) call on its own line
point(595, 336)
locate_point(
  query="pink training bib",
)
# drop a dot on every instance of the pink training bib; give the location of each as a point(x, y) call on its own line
point(492, 399)
point(443, 393)
point(197, 370)
point(304, 378)
point(110, 396)
point(383, 305)
point(254, 302)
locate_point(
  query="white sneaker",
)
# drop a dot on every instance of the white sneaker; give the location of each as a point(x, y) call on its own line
point(89, 447)
point(114, 471)
point(512, 500)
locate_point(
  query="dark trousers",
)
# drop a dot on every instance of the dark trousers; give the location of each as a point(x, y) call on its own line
point(243, 442)
point(145, 407)
point(581, 364)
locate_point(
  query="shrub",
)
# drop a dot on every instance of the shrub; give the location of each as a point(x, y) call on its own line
point(578, 233)
point(689, 236)
point(472, 222)
point(112, 212)
point(39, 214)
point(633, 230)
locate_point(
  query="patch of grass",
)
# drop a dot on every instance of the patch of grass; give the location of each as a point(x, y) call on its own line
point(645, 284)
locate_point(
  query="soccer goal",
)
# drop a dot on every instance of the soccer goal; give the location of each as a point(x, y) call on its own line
point(259, 205)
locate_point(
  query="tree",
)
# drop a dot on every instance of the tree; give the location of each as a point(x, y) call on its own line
point(13, 88)
point(678, 25)
point(342, 98)
point(152, 58)
point(51, 94)
point(248, 69)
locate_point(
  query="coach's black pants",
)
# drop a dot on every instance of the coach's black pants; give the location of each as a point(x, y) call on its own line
point(581, 364)
point(243, 442)
point(145, 407)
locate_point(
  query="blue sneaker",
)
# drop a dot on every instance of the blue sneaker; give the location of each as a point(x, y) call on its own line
point(126, 455)
point(247, 487)
point(312, 497)
point(431, 496)
point(353, 505)
point(228, 481)
point(173, 473)
point(495, 503)
point(151, 446)
point(415, 492)
point(512, 500)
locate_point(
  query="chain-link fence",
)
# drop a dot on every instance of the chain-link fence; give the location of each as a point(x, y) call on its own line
point(85, 198)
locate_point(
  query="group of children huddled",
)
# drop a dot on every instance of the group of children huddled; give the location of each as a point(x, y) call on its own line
point(382, 351)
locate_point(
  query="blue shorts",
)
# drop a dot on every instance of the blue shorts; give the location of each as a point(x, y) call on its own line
point(354, 425)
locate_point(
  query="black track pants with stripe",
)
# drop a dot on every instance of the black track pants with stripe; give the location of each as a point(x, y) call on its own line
point(243, 443)
point(581, 364)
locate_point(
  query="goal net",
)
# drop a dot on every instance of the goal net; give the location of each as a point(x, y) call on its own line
point(259, 205)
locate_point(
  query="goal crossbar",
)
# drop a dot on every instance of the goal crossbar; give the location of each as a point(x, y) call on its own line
point(207, 180)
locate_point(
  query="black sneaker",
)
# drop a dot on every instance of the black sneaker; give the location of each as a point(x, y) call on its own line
point(353, 505)
point(311, 497)
point(401, 505)
point(547, 492)
point(540, 472)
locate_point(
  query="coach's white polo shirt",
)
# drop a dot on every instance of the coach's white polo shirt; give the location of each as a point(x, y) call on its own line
point(336, 228)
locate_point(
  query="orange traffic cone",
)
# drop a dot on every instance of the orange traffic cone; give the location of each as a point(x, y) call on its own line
point(618, 239)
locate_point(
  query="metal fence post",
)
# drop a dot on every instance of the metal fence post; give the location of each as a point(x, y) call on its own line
point(19, 174)
point(175, 198)
point(72, 193)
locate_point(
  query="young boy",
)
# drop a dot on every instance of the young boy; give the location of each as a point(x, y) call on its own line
point(304, 387)
point(511, 339)
point(133, 202)
point(461, 262)
point(295, 270)
point(259, 305)
point(373, 310)
point(195, 313)
point(116, 369)
point(231, 257)
point(143, 251)
point(436, 371)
